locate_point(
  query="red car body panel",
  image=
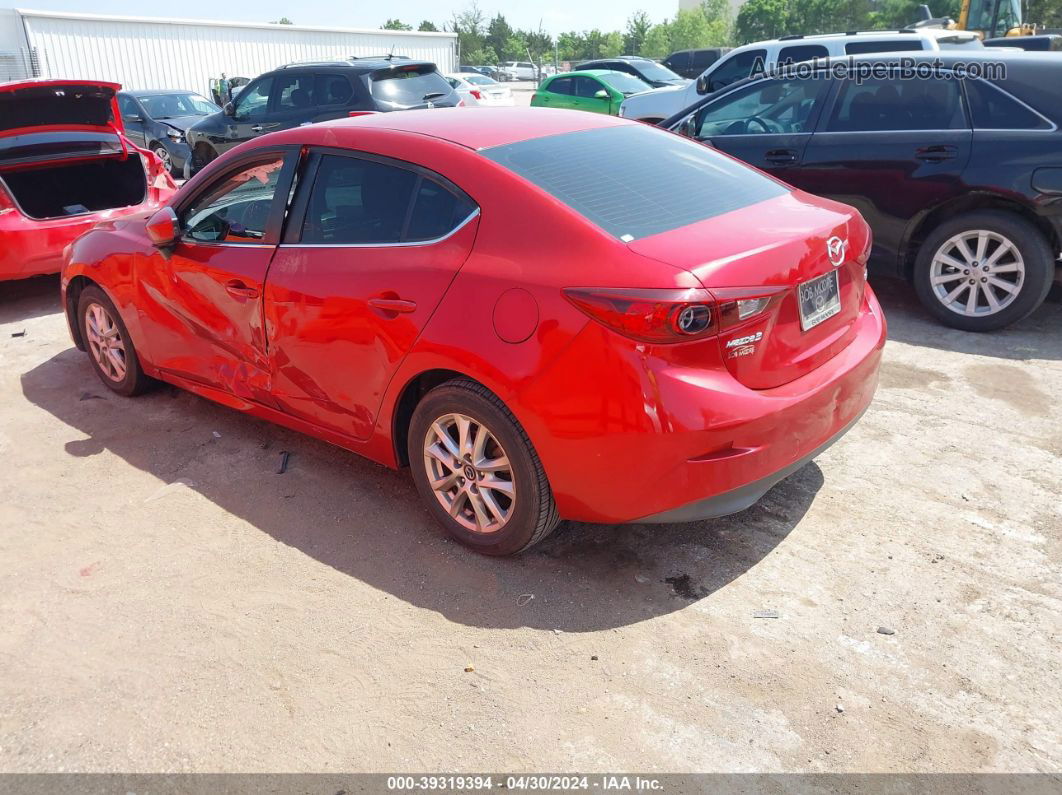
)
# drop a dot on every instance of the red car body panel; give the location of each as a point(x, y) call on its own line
point(32, 246)
point(625, 430)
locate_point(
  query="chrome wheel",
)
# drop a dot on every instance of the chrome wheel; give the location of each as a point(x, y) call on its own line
point(977, 273)
point(163, 155)
point(469, 473)
point(105, 342)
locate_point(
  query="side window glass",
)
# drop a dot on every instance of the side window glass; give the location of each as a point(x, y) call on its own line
point(586, 87)
point(293, 92)
point(994, 109)
point(562, 85)
point(253, 100)
point(770, 106)
point(235, 209)
point(801, 52)
point(735, 68)
point(893, 105)
point(863, 47)
point(436, 211)
point(127, 107)
point(331, 90)
point(357, 201)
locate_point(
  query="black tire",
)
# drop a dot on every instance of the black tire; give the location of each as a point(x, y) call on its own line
point(534, 513)
point(1036, 254)
point(134, 381)
point(163, 154)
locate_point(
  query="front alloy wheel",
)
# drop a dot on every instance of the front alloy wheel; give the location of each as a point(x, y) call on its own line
point(105, 342)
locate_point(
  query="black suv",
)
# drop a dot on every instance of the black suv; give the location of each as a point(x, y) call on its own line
point(692, 63)
point(304, 93)
point(960, 178)
point(650, 71)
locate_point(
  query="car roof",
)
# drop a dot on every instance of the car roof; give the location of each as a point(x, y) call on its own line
point(367, 64)
point(475, 128)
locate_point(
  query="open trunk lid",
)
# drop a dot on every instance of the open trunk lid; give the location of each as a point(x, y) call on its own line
point(761, 262)
point(58, 119)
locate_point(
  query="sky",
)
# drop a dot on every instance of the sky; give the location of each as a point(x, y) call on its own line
point(555, 15)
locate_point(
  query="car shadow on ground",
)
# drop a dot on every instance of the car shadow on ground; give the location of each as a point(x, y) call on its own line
point(1038, 336)
point(367, 522)
point(26, 299)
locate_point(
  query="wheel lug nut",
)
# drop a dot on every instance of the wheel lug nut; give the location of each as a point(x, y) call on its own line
point(972, 281)
point(966, 272)
point(984, 279)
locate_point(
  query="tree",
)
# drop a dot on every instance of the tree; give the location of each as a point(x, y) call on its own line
point(396, 24)
point(282, 21)
point(638, 26)
point(761, 19)
point(468, 25)
point(658, 41)
point(427, 27)
point(498, 39)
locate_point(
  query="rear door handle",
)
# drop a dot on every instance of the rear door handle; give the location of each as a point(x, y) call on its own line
point(780, 156)
point(260, 127)
point(936, 154)
point(393, 305)
point(238, 289)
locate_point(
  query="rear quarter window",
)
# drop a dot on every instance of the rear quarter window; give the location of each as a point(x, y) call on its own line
point(864, 47)
point(993, 109)
point(635, 181)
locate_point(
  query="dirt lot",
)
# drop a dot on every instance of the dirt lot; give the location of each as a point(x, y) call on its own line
point(170, 603)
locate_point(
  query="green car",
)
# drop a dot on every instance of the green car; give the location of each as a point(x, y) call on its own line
point(596, 90)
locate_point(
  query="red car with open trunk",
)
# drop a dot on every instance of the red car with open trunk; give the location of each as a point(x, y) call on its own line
point(543, 313)
point(65, 164)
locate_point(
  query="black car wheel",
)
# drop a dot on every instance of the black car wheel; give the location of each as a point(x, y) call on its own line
point(163, 154)
point(984, 270)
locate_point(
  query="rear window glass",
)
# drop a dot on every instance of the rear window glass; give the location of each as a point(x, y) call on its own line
point(634, 181)
point(993, 109)
point(409, 86)
point(802, 52)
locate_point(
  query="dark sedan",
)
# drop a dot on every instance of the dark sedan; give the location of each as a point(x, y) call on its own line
point(960, 177)
point(158, 121)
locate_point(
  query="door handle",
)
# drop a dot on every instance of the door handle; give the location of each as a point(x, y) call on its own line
point(392, 306)
point(781, 156)
point(257, 128)
point(238, 289)
point(935, 154)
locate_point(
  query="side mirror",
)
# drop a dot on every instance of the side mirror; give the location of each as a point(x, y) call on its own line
point(702, 85)
point(163, 228)
point(689, 126)
point(230, 109)
point(132, 117)
point(601, 94)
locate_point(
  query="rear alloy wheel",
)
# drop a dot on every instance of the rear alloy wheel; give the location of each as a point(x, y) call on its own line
point(477, 472)
point(108, 344)
point(984, 271)
point(163, 154)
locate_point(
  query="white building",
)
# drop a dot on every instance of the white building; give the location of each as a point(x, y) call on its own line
point(146, 52)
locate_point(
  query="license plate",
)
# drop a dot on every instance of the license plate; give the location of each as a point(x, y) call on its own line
point(819, 299)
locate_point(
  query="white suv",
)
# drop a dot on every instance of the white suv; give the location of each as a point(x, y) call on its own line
point(519, 70)
point(661, 103)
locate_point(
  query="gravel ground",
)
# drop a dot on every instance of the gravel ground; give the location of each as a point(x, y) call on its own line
point(170, 603)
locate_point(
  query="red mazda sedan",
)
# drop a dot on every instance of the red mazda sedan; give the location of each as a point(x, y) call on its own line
point(542, 313)
point(65, 165)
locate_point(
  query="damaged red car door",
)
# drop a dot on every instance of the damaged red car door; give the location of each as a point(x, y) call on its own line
point(202, 296)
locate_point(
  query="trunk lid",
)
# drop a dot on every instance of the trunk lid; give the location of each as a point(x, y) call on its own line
point(772, 249)
point(54, 119)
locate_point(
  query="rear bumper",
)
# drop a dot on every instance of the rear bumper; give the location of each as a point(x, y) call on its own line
point(743, 497)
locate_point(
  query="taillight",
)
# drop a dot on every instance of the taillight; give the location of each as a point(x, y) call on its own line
point(7, 204)
point(738, 305)
point(476, 93)
point(657, 316)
